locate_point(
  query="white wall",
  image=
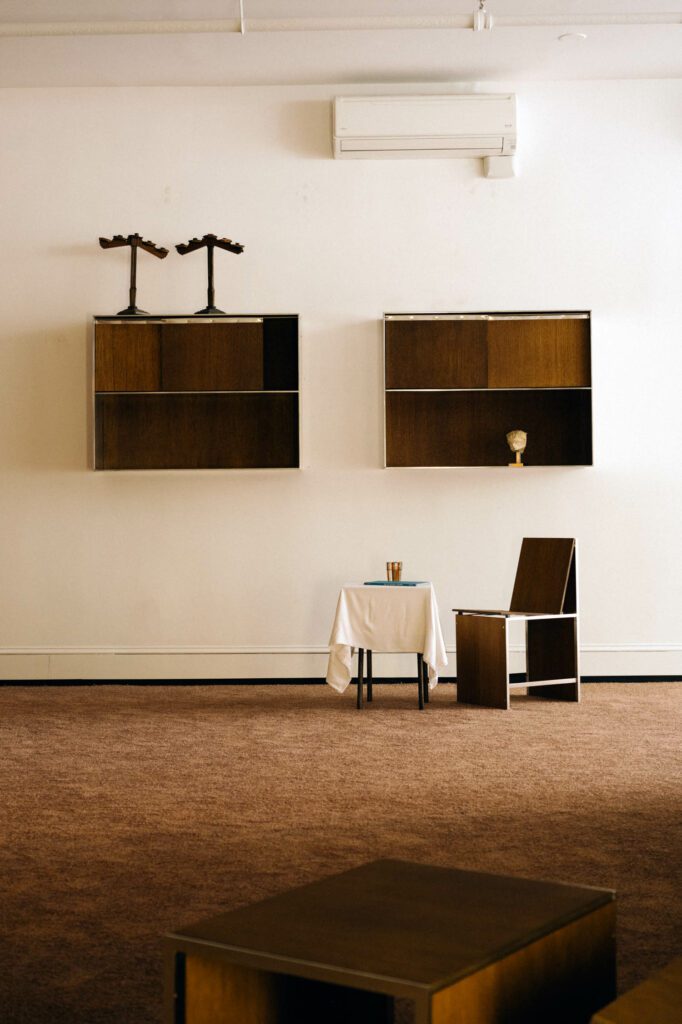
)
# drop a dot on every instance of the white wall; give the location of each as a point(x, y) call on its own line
point(236, 573)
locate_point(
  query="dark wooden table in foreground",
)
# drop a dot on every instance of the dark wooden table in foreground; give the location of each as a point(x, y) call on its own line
point(658, 1000)
point(463, 947)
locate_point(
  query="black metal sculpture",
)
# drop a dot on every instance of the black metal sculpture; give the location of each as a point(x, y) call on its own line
point(135, 242)
point(210, 242)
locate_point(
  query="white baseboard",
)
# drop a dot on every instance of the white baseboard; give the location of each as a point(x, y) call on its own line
point(284, 662)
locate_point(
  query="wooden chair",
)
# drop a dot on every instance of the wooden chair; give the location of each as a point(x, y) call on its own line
point(545, 596)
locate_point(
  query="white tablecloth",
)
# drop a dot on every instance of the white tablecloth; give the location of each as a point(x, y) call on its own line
point(395, 619)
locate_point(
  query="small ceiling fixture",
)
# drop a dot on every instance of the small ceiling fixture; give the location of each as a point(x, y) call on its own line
point(483, 20)
point(572, 37)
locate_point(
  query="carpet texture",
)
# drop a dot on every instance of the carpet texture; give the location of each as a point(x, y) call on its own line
point(129, 811)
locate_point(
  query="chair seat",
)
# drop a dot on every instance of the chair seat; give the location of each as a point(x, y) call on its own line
point(514, 615)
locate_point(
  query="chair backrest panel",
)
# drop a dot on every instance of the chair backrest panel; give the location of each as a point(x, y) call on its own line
point(546, 565)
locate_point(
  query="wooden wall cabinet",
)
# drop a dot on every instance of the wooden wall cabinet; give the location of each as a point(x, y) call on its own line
point(197, 392)
point(456, 384)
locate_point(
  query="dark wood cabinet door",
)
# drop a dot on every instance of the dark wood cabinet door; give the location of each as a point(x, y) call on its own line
point(542, 352)
point(435, 353)
point(212, 356)
point(197, 431)
point(127, 357)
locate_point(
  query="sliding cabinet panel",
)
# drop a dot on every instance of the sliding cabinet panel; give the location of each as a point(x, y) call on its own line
point(212, 356)
point(197, 431)
point(127, 357)
point(436, 353)
point(542, 352)
point(468, 428)
point(280, 353)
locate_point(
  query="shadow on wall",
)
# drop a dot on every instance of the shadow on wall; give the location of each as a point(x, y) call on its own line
point(306, 128)
point(44, 419)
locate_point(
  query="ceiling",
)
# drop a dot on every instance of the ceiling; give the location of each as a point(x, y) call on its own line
point(200, 42)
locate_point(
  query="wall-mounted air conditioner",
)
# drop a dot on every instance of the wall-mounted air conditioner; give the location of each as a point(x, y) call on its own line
point(475, 125)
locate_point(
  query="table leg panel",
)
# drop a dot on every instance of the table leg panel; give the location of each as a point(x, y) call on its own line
point(361, 658)
point(217, 992)
point(370, 695)
point(220, 993)
point(563, 978)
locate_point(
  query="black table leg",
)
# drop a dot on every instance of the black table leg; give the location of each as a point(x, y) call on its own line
point(369, 677)
point(425, 678)
point(361, 658)
point(420, 680)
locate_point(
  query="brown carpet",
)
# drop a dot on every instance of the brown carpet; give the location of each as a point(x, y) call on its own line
point(128, 811)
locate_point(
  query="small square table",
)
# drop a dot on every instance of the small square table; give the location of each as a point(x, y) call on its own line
point(399, 619)
point(461, 946)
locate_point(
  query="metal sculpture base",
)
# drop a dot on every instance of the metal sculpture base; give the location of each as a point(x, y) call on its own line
point(132, 311)
point(209, 309)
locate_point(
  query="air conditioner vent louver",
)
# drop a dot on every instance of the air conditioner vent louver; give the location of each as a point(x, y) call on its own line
point(424, 126)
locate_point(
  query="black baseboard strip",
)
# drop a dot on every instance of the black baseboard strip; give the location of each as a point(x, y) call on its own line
point(315, 681)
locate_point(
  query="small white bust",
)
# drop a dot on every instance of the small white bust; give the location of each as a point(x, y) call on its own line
point(516, 439)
